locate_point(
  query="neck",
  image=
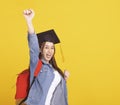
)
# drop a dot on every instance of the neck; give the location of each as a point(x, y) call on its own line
point(45, 60)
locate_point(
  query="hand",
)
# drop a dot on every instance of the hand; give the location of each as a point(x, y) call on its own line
point(28, 14)
point(66, 74)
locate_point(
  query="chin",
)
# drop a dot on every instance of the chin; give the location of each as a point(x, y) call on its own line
point(48, 60)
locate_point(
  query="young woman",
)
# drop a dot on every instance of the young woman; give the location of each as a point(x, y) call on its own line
point(49, 87)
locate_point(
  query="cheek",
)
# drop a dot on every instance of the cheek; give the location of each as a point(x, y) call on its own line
point(44, 52)
point(53, 51)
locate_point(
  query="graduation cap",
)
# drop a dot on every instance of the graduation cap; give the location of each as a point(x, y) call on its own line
point(48, 36)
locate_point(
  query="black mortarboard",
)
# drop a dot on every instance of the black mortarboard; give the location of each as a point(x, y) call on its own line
point(49, 36)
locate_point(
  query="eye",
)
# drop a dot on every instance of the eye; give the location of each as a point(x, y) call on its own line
point(46, 47)
point(52, 47)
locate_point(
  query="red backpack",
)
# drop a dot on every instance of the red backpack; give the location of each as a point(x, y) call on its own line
point(22, 83)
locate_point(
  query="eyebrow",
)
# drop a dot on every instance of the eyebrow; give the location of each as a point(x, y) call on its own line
point(48, 45)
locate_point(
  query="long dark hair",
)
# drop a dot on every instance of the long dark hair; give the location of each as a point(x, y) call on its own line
point(52, 61)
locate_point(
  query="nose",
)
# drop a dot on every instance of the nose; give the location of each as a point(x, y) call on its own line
point(49, 50)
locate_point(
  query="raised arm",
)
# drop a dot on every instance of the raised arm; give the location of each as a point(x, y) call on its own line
point(29, 15)
point(32, 41)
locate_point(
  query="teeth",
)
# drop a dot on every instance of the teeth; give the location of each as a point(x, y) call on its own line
point(48, 55)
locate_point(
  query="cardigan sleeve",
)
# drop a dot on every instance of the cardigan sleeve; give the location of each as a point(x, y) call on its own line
point(34, 51)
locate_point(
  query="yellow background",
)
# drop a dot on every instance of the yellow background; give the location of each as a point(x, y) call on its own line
point(90, 34)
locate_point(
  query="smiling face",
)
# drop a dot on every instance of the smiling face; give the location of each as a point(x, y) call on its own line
point(48, 51)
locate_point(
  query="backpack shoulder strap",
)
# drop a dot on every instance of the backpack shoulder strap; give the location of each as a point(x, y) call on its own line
point(38, 68)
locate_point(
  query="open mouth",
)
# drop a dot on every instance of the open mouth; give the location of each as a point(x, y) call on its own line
point(48, 55)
